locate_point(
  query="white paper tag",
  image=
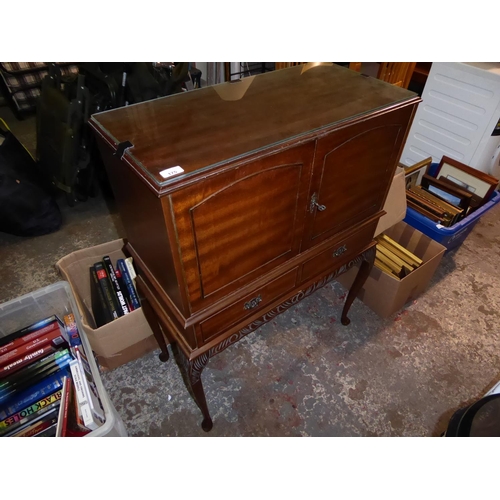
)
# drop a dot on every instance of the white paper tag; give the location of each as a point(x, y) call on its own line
point(171, 171)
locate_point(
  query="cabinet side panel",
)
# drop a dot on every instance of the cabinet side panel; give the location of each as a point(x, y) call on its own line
point(141, 212)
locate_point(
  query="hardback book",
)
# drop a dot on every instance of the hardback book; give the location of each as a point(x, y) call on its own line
point(62, 417)
point(129, 262)
point(18, 364)
point(54, 337)
point(49, 412)
point(122, 303)
point(119, 277)
point(100, 309)
point(107, 290)
point(40, 426)
point(129, 284)
point(29, 334)
point(33, 394)
point(49, 432)
point(34, 373)
point(38, 328)
point(23, 417)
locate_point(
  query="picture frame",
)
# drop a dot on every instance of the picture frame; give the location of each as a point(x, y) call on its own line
point(476, 182)
point(475, 201)
point(451, 194)
point(414, 173)
point(413, 199)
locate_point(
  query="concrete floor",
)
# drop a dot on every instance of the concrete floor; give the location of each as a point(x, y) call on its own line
point(304, 374)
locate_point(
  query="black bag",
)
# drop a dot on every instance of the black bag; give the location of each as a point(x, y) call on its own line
point(480, 419)
point(26, 207)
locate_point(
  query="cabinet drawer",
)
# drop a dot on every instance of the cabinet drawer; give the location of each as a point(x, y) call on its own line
point(338, 252)
point(248, 305)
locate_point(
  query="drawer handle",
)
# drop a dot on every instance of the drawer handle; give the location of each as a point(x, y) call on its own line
point(254, 302)
point(340, 251)
point(314, 203)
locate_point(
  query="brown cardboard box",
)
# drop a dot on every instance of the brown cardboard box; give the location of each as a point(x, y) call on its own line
point(124, 339)
point(386, 295)
point(395, 204)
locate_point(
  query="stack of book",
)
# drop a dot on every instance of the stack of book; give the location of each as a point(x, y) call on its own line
point(46, 384)
point(393, 259)
point(113, 291)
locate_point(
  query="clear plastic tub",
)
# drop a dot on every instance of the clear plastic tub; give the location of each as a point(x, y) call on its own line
point(58, 299)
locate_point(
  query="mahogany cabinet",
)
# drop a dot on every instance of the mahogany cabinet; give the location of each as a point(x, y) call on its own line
point(241, 199)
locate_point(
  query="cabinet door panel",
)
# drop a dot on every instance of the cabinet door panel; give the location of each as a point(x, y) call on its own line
point(237, 225)
point(352, 171)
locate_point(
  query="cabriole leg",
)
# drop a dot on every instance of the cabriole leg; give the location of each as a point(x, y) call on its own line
point(191, 371)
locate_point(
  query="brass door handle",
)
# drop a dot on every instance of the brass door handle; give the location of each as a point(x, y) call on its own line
point(254, 302)
point(340, 251)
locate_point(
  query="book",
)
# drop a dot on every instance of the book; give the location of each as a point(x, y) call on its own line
point(62, 417)
point(129, 284)
point(35, 409)
point(49, 432)
point(122, 303)
point(102, 314)
point(33, 429)
point(107, 290)
point(26, 398)
point(34, 373)
point(54, 337)
point(29, 358)
point(75, 426)
point(72, 330)
point(129, 262)
point(19, 338)
point(119, 277)
point(32, 418)
point(90, 387)
point(81, 395)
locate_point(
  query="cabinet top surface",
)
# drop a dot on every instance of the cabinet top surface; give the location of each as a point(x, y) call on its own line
point(207, 127)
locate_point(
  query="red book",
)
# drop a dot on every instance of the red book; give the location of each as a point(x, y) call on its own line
point(53, 337)
point(19, 363)
point(14, 344)
point(62, 419)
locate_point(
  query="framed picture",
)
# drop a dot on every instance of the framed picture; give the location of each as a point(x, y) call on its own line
point(414, 173)
point(451, 194)
point(475, 201)
point(474, 181)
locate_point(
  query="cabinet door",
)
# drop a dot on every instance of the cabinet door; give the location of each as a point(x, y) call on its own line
point(237, 225)
point(352, 172)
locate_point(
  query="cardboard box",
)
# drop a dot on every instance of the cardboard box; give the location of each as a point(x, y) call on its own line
point(395, 204)
point(386, 295)
point(124, 339)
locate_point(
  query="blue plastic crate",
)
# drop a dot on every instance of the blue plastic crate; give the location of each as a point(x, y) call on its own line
point(454, 236)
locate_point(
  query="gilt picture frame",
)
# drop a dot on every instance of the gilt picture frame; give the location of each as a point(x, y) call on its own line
point(476, 182)
point(414, 173)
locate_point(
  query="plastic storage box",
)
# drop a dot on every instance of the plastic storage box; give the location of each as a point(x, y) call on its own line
point(449, 237)
point(58, 299)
